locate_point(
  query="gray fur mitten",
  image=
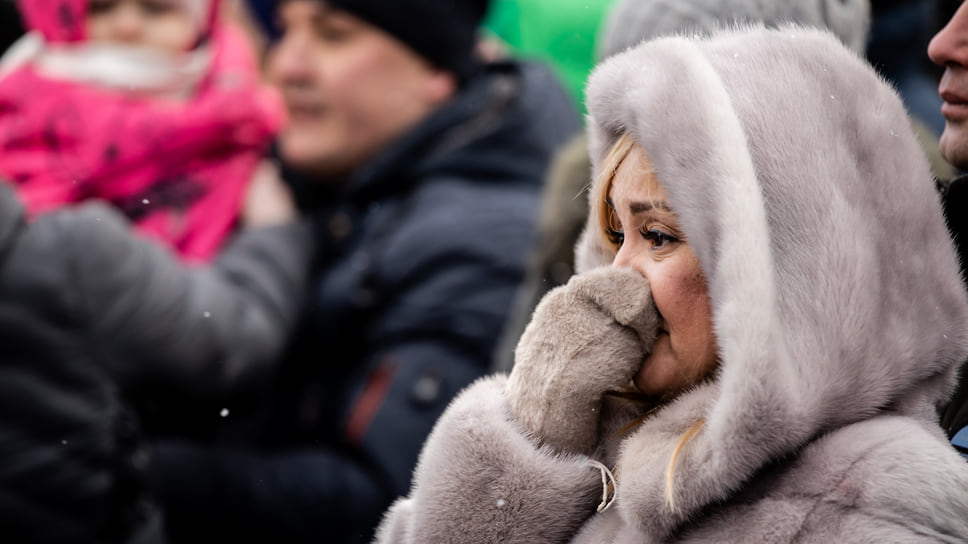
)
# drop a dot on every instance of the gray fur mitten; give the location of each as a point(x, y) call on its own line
point(585, 338)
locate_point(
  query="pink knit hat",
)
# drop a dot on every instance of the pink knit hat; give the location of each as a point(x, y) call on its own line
point(63, 20)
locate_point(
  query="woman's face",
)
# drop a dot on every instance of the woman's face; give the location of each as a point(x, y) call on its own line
point(166, 25)
point(646, 235)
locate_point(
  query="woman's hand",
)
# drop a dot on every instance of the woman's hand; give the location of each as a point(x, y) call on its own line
point(585, 338)
point(269, 201)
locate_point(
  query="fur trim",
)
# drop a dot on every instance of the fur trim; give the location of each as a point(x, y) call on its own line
point(632, 21)
point(529, 494)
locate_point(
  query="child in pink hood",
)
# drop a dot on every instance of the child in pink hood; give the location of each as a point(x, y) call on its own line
point(152, 105)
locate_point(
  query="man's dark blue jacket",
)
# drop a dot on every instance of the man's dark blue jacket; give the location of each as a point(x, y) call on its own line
point(422, 251)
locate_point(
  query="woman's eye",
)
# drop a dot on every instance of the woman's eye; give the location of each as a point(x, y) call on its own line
point(616, 237)
point(658, 238)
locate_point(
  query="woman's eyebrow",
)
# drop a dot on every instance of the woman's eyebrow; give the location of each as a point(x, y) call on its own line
point(643, 207)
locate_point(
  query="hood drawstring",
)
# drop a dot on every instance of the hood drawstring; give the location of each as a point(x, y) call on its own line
point(609, 485)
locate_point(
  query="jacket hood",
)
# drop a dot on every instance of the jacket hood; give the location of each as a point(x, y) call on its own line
point(632, 21)
point(804, 194)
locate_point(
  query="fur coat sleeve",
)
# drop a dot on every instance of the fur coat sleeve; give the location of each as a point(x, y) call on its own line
point(481, 479)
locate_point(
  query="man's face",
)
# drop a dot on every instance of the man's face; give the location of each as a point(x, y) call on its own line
point(350, 88)
point(949, 48)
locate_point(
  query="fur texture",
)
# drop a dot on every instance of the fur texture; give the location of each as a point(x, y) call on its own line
point(503, 479)
point(631, 20)
point(838, 309)
point(585, 338)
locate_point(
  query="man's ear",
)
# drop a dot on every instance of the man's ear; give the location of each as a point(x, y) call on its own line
point(440, 86)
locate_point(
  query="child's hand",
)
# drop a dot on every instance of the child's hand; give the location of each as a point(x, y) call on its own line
point(269, 201)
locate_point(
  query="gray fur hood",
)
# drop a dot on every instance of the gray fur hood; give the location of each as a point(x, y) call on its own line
point(835, 288)
point(630, 21)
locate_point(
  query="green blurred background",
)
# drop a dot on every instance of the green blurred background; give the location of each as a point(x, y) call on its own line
point(560, 32)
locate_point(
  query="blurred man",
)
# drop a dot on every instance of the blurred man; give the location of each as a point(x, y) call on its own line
point(949, 48)
point(422, 167)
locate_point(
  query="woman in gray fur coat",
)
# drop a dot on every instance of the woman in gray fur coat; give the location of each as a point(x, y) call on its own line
point(762, 359)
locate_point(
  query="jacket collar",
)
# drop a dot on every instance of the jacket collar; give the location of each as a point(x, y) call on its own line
point(456, 124)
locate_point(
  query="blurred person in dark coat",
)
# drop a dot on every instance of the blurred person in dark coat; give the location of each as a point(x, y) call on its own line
point(422, 166)
point(98, 325)
point(900, 31)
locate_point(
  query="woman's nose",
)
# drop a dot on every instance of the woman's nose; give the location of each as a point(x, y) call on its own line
point(633, 255)
point(624, 257)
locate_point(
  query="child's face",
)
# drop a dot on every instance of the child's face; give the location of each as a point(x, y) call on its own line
point(160, 24)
